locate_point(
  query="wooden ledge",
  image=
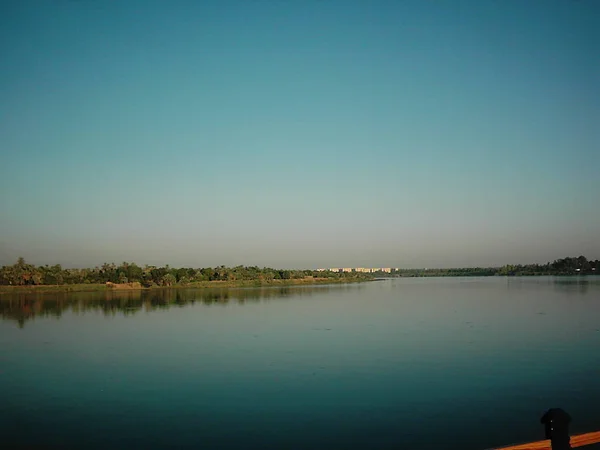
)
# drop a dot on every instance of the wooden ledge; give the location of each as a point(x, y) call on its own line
point(579, 440)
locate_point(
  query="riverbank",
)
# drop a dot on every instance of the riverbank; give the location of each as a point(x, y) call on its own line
point(308, 281)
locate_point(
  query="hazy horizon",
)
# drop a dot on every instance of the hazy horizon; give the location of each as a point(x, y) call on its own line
point(339, 266)
point(299, 134)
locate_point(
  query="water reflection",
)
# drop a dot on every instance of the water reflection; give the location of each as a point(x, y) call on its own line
point(24, 307)
point(563, 284)
point(575, 284)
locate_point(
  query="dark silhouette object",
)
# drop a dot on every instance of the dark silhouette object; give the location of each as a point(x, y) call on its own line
point(557, 422)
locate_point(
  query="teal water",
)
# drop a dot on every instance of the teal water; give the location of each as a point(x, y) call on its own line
point(434, 363)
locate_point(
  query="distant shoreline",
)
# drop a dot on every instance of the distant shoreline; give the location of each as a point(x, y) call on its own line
point(49, 288)
point(496, 275)
point(128, 287)
point(24, 277)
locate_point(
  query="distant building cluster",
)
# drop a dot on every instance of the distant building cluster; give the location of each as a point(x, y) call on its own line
point(358, 269)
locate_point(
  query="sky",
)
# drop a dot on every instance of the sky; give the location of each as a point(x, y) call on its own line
point(299, 134)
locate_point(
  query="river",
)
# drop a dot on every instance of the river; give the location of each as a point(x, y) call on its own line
point(420, 363)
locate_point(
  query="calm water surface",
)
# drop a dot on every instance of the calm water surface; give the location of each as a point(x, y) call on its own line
point(407, 363)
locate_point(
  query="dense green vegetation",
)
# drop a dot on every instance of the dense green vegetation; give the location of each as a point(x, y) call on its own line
point(565, 266)
point(24, 274)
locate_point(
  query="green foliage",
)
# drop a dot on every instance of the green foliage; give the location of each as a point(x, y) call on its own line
point(168, 280)
point(23, 274)
point(565, 266)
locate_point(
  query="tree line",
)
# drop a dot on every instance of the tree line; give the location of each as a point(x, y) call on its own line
point(23, 274)
point(565, 266)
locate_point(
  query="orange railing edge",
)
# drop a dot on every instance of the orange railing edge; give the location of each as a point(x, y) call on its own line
point(578, 440)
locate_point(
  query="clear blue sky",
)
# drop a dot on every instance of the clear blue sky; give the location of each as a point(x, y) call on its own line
point(299, 133)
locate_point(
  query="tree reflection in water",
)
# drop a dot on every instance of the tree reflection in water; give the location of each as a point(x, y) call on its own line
point(25, 307)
